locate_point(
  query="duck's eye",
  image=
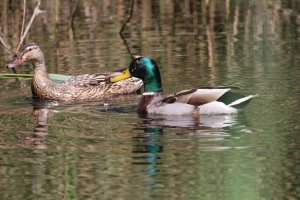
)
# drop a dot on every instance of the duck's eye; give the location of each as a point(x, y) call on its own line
point(30, 49)
point(134, 68)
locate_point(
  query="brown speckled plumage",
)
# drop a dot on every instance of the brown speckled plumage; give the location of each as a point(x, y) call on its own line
point(82, 87)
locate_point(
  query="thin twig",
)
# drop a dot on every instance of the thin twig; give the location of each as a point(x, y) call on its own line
point(24, 15)
point(127, 46)
point(29, 24)
point(71, 23)
point(6, 46)
point(129, 17)
point(124, 26)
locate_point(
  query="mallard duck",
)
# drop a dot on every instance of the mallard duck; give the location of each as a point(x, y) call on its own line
point(81, 87)
point(196, 101)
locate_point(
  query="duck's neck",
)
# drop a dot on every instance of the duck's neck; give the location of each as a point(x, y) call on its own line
point(152, 84)
point(40, 70)
point(40, 81)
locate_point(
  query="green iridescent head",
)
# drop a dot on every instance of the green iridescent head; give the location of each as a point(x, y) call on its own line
point(146, 69)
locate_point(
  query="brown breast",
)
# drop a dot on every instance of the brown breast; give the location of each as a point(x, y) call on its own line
point(145, 100)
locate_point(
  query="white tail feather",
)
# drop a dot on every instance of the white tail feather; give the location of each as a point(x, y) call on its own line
point(239, 101)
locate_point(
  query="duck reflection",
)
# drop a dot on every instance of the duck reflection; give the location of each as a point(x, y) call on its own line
point(204, 122)
point(148, 142)
point(42, 110)
point(148, 147)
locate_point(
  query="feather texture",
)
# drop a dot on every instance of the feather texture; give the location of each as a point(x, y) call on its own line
point(204, 102)
point(81, 87)
point(195, 102)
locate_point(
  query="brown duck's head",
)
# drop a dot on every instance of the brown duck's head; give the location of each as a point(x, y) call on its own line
point(29, 52)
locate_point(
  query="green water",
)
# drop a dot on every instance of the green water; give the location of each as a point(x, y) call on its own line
point(90, 150)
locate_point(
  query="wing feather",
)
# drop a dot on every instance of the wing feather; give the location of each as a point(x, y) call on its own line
point(195, 96)
point(87, 80)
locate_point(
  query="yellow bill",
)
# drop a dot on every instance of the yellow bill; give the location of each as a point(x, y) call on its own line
point(124, 75)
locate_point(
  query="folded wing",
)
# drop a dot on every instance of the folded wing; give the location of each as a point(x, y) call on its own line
point(196, 96)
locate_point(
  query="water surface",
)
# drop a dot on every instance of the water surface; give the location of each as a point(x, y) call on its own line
point(91, 150)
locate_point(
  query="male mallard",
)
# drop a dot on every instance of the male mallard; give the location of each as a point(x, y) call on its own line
point(186, 102)
point(82, 87)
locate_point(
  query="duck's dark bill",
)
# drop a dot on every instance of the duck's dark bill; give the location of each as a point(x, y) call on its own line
point(15, 63)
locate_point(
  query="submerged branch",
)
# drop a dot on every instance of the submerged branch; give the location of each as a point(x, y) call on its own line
point(53, 77)
point(16, 75)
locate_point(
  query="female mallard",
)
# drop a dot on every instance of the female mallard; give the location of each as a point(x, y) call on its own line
point(82, 87)
point(186, 102)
